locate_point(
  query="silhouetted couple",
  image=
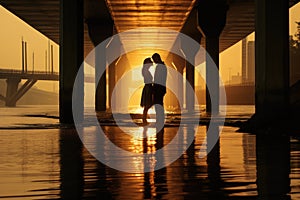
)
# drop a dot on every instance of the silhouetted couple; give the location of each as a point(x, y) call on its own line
point(154, 89)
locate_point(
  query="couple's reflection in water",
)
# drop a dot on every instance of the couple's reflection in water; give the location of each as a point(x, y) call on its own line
point(272, 171)
point(155, 182)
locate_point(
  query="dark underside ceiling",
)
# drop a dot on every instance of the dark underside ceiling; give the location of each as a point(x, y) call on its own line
point(178, 15)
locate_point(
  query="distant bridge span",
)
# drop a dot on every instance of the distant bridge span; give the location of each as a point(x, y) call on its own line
point(37, 75)
point(14, 77)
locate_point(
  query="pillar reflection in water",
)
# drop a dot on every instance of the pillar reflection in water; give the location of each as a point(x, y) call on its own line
point(213, 163)
point(71, 165)
point(101, 172)
point(273, 166)
point(192, 184)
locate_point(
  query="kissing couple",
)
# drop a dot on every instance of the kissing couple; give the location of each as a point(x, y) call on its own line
point(154, 89)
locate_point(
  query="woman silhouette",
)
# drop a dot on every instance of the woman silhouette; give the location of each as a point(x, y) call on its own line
point(146, 99)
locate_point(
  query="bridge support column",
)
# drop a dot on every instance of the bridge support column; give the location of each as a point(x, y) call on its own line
point(71, 56)
point(99, 31)
point(111, 82)
point(271, 57)
point(11, 90)
point(190, 53)
point(180, 64)
point(211, 21)
point(212, 76)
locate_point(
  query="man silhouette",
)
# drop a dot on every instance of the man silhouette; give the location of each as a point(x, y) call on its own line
point(159, 89)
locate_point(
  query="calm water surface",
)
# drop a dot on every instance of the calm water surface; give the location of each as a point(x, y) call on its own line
point(53, 164)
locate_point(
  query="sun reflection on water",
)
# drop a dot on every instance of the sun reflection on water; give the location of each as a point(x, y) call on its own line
point(143, 140)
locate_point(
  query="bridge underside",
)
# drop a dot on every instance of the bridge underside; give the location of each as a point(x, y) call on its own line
point(217, 25)
point(44, 16)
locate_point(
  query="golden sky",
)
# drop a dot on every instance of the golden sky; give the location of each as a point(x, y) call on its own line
point(12, 31)
point(11, 34)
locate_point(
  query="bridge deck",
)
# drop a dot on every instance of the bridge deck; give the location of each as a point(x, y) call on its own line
point(36, 75)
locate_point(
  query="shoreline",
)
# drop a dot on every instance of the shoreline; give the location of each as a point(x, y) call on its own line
point(250, 124)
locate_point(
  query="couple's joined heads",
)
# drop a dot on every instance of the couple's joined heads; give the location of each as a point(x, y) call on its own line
point(156, 59)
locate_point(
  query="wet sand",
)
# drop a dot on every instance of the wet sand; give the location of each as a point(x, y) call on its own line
point(53, 163)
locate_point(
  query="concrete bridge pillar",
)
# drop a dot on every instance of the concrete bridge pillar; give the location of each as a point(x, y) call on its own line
point(71, 56)
point(121, 67)
point(179, 62)
point(211, 21)
point(190, 54)
point(111, 81)
point(100, 30)
point(11, 90)
point(271, 57)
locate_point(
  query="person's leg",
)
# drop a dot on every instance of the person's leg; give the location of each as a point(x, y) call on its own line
point(145, 112)
point(160, 113)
